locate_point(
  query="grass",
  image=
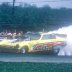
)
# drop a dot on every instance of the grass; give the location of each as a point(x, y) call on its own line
point(34, 67)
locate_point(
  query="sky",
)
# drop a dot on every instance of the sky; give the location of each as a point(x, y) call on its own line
point(51, 3)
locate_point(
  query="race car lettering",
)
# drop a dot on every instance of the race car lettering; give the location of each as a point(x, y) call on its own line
point(42, 47)
point(49, 44)
point(39, 45)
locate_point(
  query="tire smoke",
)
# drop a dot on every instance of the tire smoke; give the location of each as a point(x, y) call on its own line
point(67, 50)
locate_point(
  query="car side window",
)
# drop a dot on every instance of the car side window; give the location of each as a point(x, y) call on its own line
point(48, 36)
point(35, 37)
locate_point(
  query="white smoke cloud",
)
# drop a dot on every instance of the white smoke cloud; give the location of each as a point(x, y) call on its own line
point(68, 49)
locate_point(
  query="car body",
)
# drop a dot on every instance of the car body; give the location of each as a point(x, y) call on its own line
point(37, 42)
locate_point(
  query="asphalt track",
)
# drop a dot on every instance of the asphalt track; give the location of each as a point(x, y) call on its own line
point(12, 57)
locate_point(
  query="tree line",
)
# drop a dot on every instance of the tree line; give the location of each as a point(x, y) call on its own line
point(33, 18)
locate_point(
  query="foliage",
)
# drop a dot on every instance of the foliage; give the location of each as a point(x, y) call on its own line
point(32, 18)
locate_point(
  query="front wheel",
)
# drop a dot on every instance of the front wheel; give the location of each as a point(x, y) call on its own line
point(24, 50)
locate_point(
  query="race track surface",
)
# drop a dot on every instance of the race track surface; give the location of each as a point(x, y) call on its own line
point(10, 57)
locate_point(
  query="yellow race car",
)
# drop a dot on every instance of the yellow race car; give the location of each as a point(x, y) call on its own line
point(35, 43)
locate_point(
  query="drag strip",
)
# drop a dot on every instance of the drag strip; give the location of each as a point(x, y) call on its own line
point(8, 57)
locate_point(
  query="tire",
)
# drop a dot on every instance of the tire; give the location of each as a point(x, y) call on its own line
point(56, 49)
point(16, 49)
point(24, 50)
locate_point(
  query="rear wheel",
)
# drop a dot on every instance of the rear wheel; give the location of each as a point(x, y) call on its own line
point(24, 50)
point(16, 48)
point(56, 49)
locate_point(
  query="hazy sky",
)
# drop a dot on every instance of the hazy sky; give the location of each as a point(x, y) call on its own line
point(51, 3)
